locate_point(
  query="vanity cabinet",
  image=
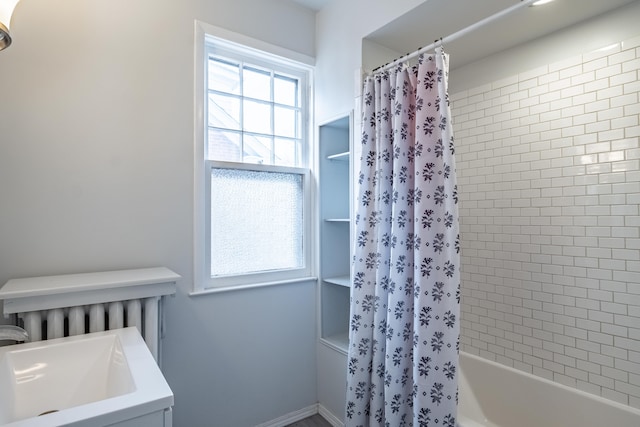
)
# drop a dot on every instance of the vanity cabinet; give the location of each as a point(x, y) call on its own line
point(163, 418)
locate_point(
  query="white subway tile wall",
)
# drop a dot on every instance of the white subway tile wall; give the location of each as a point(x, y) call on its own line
point(548, 168)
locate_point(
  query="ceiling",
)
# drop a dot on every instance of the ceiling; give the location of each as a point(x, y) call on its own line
point(434, 19)
point(312, 4)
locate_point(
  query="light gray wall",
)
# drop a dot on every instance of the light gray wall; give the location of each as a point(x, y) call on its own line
point(96, 173)
point(340, 29)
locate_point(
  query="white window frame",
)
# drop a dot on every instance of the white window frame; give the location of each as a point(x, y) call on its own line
point(203, 283)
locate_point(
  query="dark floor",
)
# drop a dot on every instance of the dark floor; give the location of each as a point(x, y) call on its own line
point(313, 421)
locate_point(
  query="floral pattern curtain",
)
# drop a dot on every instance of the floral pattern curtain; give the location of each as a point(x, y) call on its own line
point(405, 299)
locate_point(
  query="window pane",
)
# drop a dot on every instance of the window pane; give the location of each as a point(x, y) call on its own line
point(257, 149)
point(285, 90)
point(256, 221)
point(285, 122)
point(224, 111)
point(224, 145)
point(286, 153)
point(257, 84)
point(224, 76)
point(257, 117)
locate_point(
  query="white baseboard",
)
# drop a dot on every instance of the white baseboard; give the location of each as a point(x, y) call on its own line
point(292, 417)
point(327, 415)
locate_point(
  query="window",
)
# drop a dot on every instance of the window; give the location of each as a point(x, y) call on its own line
point(254, 113)
point(252, 169)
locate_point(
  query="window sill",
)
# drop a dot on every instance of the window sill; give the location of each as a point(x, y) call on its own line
point(221, 289)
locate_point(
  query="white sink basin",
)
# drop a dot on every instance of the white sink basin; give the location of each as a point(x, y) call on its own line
point(95, 379)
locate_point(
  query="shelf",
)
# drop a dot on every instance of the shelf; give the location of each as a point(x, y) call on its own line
point(346, 220)
point(340, 157)
point(49, 292)
point(339, 280)
point(339, 341)
point(334, 191)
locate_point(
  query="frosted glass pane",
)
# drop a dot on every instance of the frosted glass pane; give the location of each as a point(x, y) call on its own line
point(256, 221)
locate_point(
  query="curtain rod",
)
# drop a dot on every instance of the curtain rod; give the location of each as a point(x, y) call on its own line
point(457, 35)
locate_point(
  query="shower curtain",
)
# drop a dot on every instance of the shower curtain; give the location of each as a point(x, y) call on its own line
point(405, 299)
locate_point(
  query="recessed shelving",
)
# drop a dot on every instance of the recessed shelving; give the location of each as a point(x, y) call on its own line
point(339, 280)
point(341, 157)
point(335, 228)
point(338, 341)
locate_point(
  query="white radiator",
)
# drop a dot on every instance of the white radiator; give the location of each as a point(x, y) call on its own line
point(58, 306)
point(78, 320)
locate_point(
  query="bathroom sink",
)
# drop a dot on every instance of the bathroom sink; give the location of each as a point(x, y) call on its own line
point(101, 378)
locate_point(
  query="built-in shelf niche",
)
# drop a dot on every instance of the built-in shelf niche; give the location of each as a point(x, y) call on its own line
point(335, 231)
point(340, 280)
point(340, 157)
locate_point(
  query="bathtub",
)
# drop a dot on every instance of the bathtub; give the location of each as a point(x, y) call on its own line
point(494, 395)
